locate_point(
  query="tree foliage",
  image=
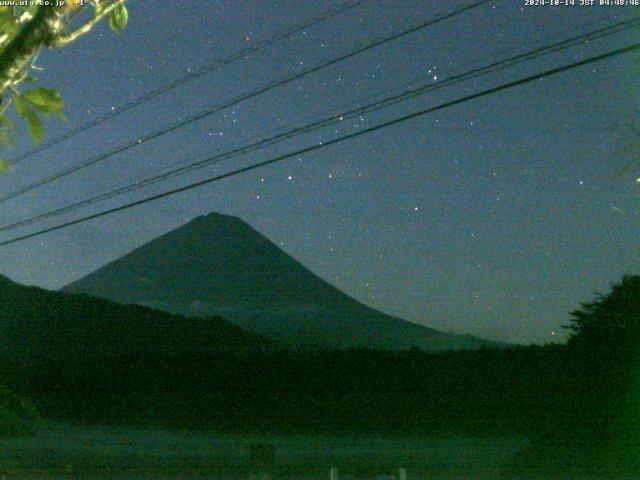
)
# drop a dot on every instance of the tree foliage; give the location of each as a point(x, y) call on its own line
point(610, 323)
point(24, 32)
point(596, 423)
point(17, 415)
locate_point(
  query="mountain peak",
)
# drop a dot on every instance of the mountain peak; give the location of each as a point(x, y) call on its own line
point(220, 265)
point(217, 217)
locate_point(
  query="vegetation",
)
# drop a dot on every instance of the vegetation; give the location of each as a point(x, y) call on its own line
point(478, 393)
point(24, 32)
point(595, 424)
point(578, 403)
point(37, 323)
point(17, 416)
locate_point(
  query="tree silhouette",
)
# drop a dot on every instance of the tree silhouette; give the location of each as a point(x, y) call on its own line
point(604, 374)
point(606, 339)
point(593, 419)
point(611, 323)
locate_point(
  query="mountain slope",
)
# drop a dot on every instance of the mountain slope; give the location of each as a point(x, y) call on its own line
point(218, 264)
point(39, 323)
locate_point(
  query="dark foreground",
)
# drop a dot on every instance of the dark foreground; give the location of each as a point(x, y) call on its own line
point(340, 408)
point(63, 451)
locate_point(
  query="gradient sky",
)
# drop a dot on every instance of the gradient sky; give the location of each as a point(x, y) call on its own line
point(495, 217)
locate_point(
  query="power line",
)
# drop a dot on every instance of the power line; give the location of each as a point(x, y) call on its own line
point(337, 117)
point(216, 65)
point(321, 145)
point(216, 108)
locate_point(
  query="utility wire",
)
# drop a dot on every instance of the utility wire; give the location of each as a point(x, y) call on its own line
point(216, 108)
point(334, 118)
point(212, 67)
point(483, 93)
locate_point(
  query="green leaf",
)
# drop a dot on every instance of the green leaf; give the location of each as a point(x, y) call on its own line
point(118, 18)
point(5, 166)
point(44, 99)
point(8, 22)
point(34, 125)
point(4, 120)
point(21, 106)
point(6, 127)
point(62, 116)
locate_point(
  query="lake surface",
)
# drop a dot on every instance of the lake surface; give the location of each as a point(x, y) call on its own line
point(62, 451)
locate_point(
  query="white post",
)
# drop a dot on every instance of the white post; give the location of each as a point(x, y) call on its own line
point(333, 473)
point(402, 474)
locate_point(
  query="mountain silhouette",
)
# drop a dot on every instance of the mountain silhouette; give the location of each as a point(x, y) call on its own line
point(219, 265)
point(37, 323)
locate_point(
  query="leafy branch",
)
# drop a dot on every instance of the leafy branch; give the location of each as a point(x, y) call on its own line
point(117, 14)
point(26, 30)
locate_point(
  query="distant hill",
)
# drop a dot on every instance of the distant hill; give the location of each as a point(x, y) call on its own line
point(39, 323)
point(219, 265)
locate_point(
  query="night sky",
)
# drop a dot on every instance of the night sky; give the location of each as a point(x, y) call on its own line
point(495, 217)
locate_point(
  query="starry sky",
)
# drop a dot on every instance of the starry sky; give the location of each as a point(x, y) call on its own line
point(495, 217)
